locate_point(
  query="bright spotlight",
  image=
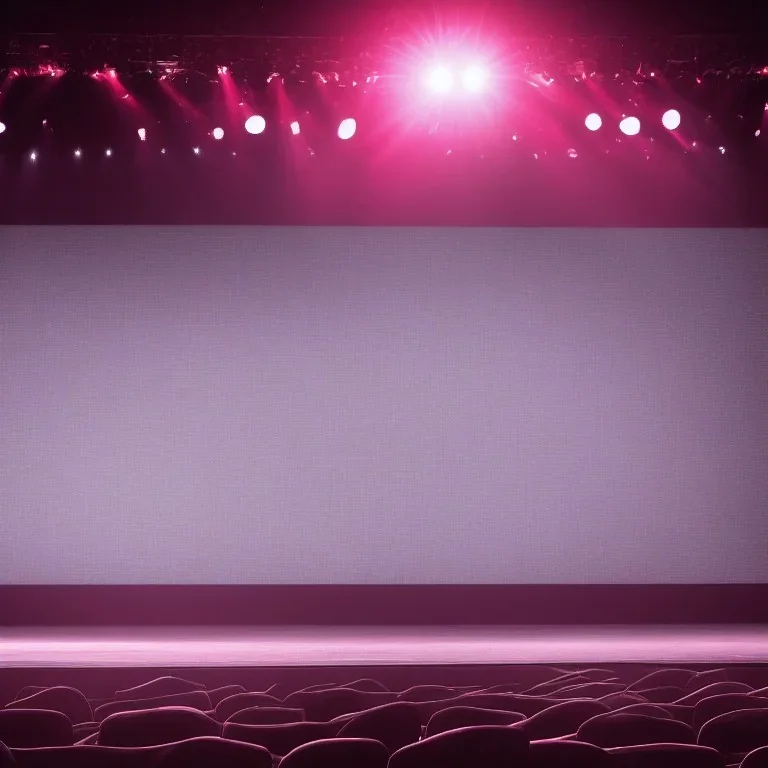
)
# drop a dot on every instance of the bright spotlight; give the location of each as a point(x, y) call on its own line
point(440, 80)
point(295, 128)
point(255, 124)
point(671, 119)
point(78, 153)
point(108, 153)
point(594, 122)
point(196, 150)
point(218, 133)
point(347, 128)
point(630, 126)
point(2, 127)
point(474, 78)
point(33, 156)
point(142, 134)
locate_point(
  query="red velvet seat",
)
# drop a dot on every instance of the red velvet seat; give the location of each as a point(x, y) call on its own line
point(193, 700)
point(68, 701)
point(338, 753)
point(463, 717)
point(21, 728)
point(621, 729)
point(394, 725)
point(561, 719)
point(485, 746)
point(563, 753)
point(666, 756)
point(150, 727)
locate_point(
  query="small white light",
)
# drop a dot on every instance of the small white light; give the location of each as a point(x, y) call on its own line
point(108, 153)
point(196, 150)
point(78, 153)
point(162, 151)
point(33, 156)
point(142, 134)
point(721, 150)
point(2, 127)
point(218, 133)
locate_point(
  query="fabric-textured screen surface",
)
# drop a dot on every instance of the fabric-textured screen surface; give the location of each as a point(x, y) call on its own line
point(340, 405)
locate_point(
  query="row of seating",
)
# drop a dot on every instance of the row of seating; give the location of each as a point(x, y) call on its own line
point(668, 718)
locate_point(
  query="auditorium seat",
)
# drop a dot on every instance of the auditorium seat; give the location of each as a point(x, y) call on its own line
point(267, 716)
point(621, 700)
point(714, 689)
point(84, 757)
point(192, 700)
point(160, 686)
point(653, 710)
point(6, 758)
point(587, 690)
point(280, 739)
point(736, 732)
point(528, 705)
point(707, 677)
point(708, 709)
point(395, 725)
point(663, 678)
point(561, 719)
point(758, 758)
point(219, 694)
point(144, 728)
point(666, 756)
point(367, 685)
point(462, 717)
point(562, 681)
point(21, 728)
point(68, 701)
point(419, 694)
point(337, 753)
point(238, 701)
point(662, 694)
point(323, 706)
point(212, 751)
point(563, 753)
point(484, 746)
point(621, 729)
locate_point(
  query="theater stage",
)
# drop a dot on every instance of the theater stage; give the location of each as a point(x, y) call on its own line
point(207, 647)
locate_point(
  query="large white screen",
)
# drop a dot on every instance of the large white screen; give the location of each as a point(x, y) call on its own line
point(338, 405)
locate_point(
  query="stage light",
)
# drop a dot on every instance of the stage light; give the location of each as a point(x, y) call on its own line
point(440, 80)
point(196, 150)
point(474, 79)
point(218, 133)
point(630, 126)
point(78, 153)
point(347, 128)
point(255, 124)
point(108, 153)
point(33, 156)
point(2, 127)
point(162, 151)
point(295, 128)
point(593, 122)
point(671, 119)
point(573, 154)
point(223, 70)
point(142, 134)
